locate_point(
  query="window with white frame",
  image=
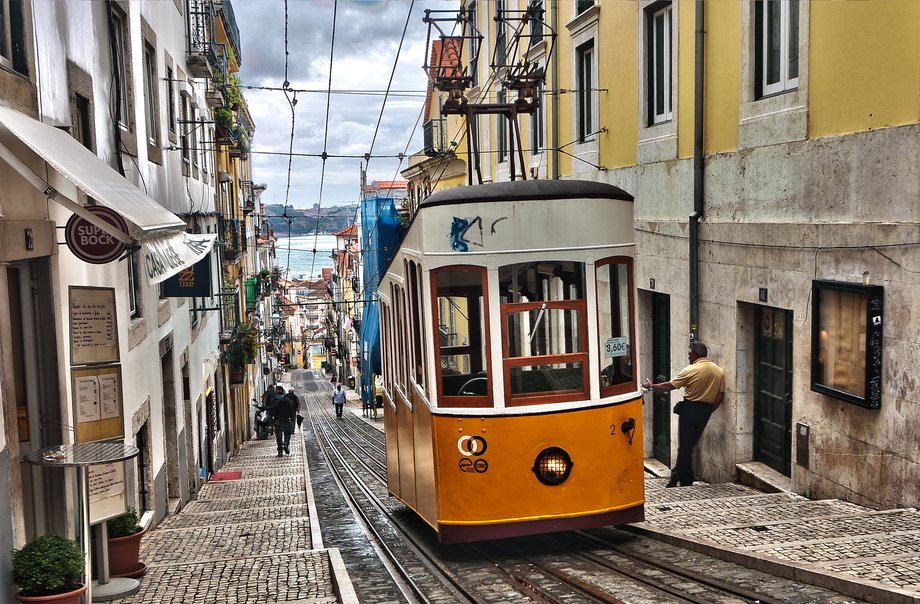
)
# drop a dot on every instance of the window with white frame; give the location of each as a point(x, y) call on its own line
point(776, 24)
point(501, 35)
point(134, 294)
point(184, 130)
point(659, 23)
point(193, 129)
point(584, 58)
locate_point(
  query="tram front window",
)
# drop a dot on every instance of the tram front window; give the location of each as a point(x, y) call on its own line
point(544, 331)
point(461, 341)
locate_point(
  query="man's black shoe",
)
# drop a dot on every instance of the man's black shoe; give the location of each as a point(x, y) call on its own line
point(672, 482)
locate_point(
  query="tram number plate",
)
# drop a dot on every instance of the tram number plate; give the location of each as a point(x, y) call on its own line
point(615, 347)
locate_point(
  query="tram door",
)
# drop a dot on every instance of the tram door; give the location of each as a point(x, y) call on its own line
point(773, 388)
point(661, 355)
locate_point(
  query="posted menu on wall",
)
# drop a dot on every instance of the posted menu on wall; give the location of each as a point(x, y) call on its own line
point(93, 326)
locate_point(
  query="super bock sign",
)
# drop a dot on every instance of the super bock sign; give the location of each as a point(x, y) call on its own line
point(91, 244)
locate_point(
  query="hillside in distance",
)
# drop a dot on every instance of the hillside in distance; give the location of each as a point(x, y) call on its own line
point(308, 221)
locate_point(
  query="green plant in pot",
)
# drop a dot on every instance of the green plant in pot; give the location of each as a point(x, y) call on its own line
point(51, 565)
point(125, 533)
point(243, 347)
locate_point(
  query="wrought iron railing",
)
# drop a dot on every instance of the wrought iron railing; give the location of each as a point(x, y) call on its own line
point(233, 31)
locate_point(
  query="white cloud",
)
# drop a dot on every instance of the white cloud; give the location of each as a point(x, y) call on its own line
point(367, 36)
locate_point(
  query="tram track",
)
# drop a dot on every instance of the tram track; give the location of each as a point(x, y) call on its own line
point(595, 566)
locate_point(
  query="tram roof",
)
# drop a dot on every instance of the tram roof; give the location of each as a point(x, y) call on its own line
point(527, 189)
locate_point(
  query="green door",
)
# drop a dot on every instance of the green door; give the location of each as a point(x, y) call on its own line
point(661, 355)
point(773, 388)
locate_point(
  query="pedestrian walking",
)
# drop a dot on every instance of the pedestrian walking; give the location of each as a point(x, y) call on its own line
point(296, 402)
point(338, 399)
point(283, 413)
point(704, 390)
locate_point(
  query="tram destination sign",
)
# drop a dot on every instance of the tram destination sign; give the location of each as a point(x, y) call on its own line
point(91, 244)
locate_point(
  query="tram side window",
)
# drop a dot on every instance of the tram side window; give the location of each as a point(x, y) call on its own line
point(461, 339)
point(543, 314)
point(418, 357)
point(614, 327)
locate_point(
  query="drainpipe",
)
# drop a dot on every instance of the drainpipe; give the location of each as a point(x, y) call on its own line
point(554, 113)
point(698, 172)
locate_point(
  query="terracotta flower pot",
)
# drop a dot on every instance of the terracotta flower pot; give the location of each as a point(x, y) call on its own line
point(69, 597)
point(124, 554)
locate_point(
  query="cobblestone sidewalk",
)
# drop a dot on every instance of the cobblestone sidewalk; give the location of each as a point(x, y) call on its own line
point(867, 554)
point(245, 540)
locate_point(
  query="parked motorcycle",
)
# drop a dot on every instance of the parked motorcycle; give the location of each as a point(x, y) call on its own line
point(264, 425)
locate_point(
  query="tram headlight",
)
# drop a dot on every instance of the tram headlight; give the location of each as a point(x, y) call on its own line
point(552, 466)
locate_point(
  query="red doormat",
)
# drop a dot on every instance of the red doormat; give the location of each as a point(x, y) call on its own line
point(226, 475)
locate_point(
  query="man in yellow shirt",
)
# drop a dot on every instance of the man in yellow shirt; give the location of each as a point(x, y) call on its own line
point(704, 389)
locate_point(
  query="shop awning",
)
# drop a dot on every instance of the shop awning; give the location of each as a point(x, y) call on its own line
point(166, 247)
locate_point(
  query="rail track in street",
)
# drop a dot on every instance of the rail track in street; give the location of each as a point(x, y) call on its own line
point(401, 560)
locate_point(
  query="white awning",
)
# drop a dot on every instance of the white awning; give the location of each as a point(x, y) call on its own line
point(163, 257)
point(145, 217)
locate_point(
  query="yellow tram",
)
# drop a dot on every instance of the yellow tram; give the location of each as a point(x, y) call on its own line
point(512, 404)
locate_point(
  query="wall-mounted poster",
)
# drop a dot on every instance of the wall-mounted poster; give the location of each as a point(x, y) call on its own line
point(97, 403)
point(93, 326)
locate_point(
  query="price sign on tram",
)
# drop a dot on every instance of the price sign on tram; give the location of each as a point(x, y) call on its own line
point(615, 347)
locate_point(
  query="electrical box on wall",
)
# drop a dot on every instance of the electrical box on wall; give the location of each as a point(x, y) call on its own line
point(802, 432)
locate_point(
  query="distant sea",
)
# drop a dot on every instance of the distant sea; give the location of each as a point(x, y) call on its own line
point(297, 254)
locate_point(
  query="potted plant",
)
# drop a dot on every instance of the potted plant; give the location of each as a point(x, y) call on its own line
point(242, 350)
point(49, 569)
point(223, 122)
point(124, 544)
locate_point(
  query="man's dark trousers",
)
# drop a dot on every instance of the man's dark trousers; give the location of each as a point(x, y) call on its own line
point(691, 423)
point(283, 435)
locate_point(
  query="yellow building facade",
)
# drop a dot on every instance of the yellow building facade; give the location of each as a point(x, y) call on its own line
point(771, 146)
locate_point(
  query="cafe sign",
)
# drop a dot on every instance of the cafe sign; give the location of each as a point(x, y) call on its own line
point(90, 243)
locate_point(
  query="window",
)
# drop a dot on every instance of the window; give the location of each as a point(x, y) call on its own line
point(584, 56)
point(583, 5)
point(659, 63)
point(501, 36)
point(152, 107)
point(614, 325)
point(537, 125)
point(12, 37)
point(81, 119)
point(121, 72)
point(184, 132)
point(418, 351)
point(134, 294)
point(461, 343)
point(171, 100)
point(536, 23)
point(193, 138)
point(846, 342)
point(501, 130)
point(776, 25)
point(543, 331)
point(474, 42)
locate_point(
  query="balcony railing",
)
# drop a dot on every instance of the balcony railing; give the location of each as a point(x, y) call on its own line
point(201, 56)
point(233, 31)
point(231, 239)
point(247, 196)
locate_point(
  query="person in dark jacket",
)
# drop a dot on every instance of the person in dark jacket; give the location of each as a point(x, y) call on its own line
point(296, 401)
point(283, 413)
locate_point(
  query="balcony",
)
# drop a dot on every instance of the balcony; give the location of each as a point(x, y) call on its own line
point(232, 31)
point(247, 197)
point(434, 138)
point(201, 56)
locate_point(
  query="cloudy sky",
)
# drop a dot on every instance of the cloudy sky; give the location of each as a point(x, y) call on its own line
point(367, 37)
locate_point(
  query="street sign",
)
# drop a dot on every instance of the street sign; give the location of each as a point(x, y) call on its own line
point(91, 244)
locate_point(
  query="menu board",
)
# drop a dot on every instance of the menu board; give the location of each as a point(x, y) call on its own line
point(97, 402)
point(106, 491)
point(93, 326)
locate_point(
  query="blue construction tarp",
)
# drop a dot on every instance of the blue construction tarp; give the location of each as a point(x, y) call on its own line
point(379, 232)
